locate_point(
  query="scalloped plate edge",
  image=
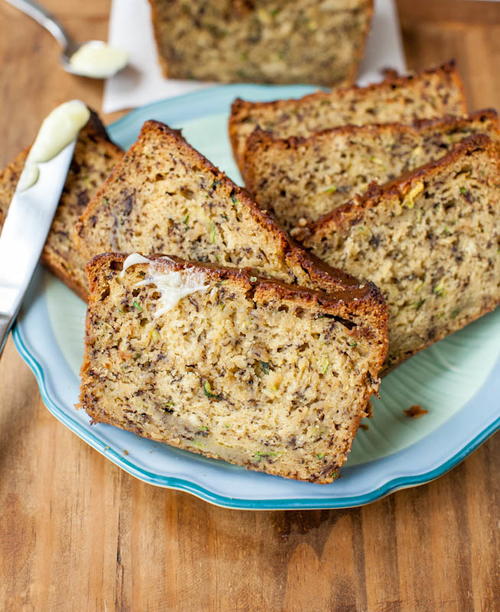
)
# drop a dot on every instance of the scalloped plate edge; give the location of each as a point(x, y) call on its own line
point(179, 484)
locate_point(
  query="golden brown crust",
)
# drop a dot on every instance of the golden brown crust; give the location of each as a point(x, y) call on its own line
point(332, 279)
point(261, 142)
point(355, 66)
point(9, 176)
point(257, 288)
point(241, 109)
point(156, 34)
point(346, 215)
point(260, 139)
point(452, 121)
point(8, 181)
point(262, 286)
point(55, 261)
point(489, 307)
point(370, 304)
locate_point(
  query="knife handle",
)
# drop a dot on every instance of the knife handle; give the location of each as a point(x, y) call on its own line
point(6, 322)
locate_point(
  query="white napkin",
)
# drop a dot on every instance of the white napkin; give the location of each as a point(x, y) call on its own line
point(142, 82)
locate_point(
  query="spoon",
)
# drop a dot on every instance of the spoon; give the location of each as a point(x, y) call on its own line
point(94, 59)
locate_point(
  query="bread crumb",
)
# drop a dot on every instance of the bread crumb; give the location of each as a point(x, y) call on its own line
point(415, 411)
point(363, 426)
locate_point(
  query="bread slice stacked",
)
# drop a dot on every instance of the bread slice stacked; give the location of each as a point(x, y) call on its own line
point(165, 197)
point(427, 95)
point(301, 179)
point(220, 362)
point(419, 236)
point(312, 345)
point(94, 157)
point(429, 240)
point(268, 41)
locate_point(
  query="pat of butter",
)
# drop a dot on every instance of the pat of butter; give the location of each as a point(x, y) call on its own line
point(133, 260)
point(172, 285)
point(58, 129)
point(98, 60)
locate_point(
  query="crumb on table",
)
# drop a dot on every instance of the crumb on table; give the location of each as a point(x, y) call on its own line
point(415, 411)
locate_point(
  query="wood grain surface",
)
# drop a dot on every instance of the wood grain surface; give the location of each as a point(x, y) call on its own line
point(77, 533)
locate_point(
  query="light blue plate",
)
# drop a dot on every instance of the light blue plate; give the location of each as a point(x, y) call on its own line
point(456, 380)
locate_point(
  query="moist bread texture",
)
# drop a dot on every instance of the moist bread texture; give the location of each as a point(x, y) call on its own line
point(429, 241)
point(301, 179)
point(166, 197)
point(94, 157)
point(267, 41)
point(271, 377)
point(426, 95)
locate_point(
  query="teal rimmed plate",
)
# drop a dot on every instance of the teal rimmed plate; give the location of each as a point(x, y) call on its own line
point(457, 380)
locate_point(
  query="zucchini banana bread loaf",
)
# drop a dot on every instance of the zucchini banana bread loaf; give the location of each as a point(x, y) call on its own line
point(301, 179)
point(94, 157)
point(429, 241)
point(427, 95)
point(217, 361)
point(166, 197)
point(269, 41)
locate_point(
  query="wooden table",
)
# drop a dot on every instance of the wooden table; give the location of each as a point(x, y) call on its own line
point(77, 533)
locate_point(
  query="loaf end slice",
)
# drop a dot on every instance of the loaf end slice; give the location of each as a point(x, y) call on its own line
point(220, 362)
point(94, 157)
point(429, 241)
point(302, 179)
point(427, 95)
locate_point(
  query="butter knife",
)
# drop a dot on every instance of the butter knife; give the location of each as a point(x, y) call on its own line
point(24, 233)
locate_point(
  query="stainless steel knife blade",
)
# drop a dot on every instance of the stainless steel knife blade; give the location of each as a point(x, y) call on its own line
point(24, 234)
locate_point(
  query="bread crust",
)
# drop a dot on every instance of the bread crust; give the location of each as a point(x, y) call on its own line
point(259, 289)
point(155, 21)
point(241, 109)
point(347, 81)
point(246, 277)
point(346, 215)
point(261, 142)
point(350, 79)
point(51, 258)
point(341, 219)
point(331, 278)
point(260, 139)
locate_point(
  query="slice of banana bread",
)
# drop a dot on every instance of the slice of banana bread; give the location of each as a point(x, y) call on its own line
point(427, 95)
point(94, 157)
point(220, 362)
point(301, 179)
point(166, 197)
point(429, 241)
point(267, 41)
